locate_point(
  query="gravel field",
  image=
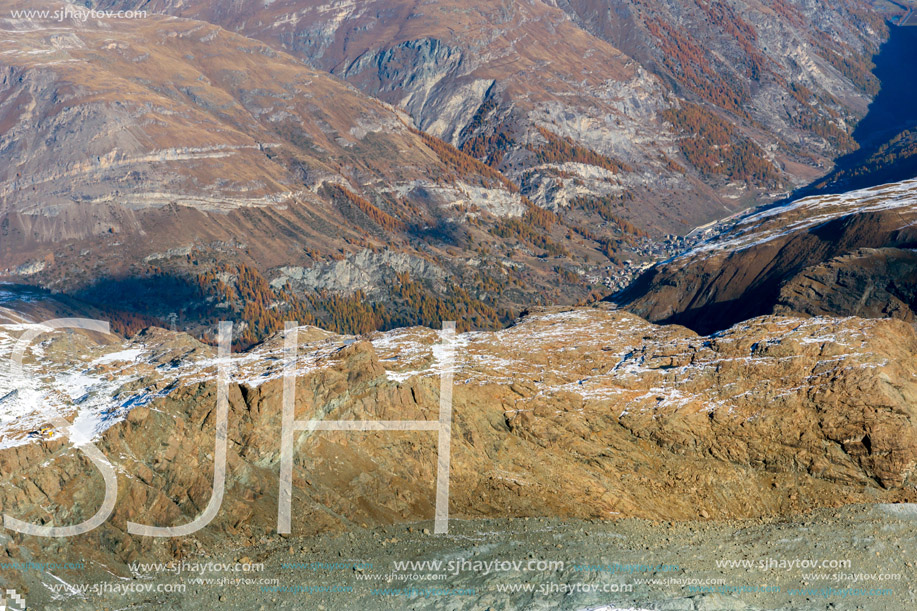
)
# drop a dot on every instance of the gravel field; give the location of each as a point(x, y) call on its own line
point(863, 559)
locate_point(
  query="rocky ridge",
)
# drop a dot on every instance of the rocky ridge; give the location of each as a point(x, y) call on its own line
point(771, 417)
point(845, 255)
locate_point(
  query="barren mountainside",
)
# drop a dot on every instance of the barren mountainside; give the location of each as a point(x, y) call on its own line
point(717, 105)
point(258, 161)
point(165, 166)
point(458, 304)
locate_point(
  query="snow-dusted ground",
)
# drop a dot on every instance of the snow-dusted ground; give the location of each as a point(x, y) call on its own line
point(554, 351)
point(756, 228)
point(83, 392)
point(611, 357)
point(96, 385)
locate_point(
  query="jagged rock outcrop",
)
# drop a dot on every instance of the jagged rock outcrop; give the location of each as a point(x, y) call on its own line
point(579, 413)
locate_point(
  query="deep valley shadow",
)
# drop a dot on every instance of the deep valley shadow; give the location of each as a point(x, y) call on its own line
point(887, 135)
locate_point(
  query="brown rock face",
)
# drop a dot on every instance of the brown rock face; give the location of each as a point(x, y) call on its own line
point(581, 413)
point(870, 282)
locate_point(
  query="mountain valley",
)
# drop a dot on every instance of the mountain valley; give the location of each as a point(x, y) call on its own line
point(593, 305)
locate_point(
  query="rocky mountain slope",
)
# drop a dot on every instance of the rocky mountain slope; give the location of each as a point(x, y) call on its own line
point(168, 167)
point(175, 113)
point(588, 100)
point(374, 165)
point(771, 417)
point(201, 163)
point(849, 254)
point(887, 134)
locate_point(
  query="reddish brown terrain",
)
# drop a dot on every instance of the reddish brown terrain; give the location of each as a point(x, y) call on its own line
point(645, 84)
point(158, 165)
point(318, 156)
